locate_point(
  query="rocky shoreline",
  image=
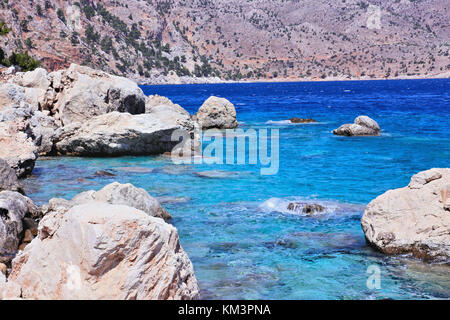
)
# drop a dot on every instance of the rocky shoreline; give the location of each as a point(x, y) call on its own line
point(84, 112)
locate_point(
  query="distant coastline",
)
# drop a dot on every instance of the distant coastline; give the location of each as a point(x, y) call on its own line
point(166, 80)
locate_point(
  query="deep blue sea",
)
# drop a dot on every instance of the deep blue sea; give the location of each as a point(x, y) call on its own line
point(235, 226)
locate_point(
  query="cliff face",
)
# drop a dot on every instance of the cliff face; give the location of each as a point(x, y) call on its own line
point(248, 39)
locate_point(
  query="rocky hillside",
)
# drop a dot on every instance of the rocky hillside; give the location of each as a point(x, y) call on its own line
point(235, 39)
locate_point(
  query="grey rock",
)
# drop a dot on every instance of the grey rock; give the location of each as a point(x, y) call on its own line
point(13, 208)
point(362, 126)
point(8, 178)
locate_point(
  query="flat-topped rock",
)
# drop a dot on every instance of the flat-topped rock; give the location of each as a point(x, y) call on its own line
point(414, 219)
point(301, 120)
point(118, 134)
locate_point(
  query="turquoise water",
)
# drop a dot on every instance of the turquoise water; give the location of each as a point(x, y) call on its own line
point(235, 227)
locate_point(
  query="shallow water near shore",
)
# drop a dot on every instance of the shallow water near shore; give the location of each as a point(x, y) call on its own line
point(233, 221)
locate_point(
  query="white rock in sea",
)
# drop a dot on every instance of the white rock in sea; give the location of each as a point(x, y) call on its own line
point(217, 113)
point(414, 219)
point(13, 209)
point(118, 134)
point(362, 126)
point(102, 251)
point(80, 93)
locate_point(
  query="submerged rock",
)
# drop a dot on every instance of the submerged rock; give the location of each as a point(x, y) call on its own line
point(414, 219)
point(8, 178)
point(301, 120)
point(104, 173)
point(362, 126)
point(217, 113)
point(102, 251)
point(215, 174)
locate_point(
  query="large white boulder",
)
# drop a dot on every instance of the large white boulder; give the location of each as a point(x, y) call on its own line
point(102, 251)
point(118, 134)
point(80, 93)
point(217, 113)
point(414, 219)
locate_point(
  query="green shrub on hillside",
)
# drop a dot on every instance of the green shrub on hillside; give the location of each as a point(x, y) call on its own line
point(23, 60)
point(4, 30)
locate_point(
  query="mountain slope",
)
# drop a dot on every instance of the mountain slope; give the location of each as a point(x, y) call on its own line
point(235, 39)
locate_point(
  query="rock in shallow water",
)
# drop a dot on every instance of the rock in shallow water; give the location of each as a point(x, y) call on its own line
point(118, 134)
point(217, 113)
point(102, 251)
point(104, 173)
point(301, 120)
point(307, 208)
point(362, 126)
point(412, 219)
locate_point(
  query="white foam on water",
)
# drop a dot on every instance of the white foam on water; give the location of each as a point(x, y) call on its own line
point(331, 207)
point(282, 122)
point(289, 123)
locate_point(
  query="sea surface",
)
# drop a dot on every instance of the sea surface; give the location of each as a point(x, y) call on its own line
point(234, 224)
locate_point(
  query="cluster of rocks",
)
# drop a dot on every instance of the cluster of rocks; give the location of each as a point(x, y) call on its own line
point(106, 244)
point(84, 112)
point(114, 243)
